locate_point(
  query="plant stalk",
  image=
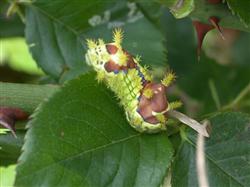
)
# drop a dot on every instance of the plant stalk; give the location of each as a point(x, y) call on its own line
point(24, 96)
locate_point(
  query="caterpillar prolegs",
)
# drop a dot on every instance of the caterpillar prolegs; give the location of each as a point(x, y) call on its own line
point(144, 101)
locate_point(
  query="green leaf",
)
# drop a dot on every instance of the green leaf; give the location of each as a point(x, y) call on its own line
point(204, 10)
point(148, 45)
point(57, 38)
point(227, 154)
point(11, 26)
point(15, 53)
point(198, 79)
point(180, 42)
point(10, 147)
point(55, 48)
point(195, 78)
point(80, 137)
point(241, 8)
point(7, 176)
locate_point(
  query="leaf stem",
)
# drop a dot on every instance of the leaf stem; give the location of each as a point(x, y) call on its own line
point(214, 94)
point(239, 98)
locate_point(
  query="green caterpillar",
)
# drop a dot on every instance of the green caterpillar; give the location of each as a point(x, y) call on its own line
point(144, 101)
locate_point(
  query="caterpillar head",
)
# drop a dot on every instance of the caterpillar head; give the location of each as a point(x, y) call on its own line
point(97, 54)
point(107, 57)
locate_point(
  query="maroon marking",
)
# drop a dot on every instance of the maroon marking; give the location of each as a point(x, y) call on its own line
point(130, 62)
point(112, 49)
point(201, 30)
point(158, 102)
point(214, 1)
point(111, 66)
point(215, 22)
point(8, 117)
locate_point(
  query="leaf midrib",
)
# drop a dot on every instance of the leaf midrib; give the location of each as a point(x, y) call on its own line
point(56, 20)
point(85, 152)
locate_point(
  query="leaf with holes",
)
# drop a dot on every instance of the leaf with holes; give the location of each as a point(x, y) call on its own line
point(80, 137)
point(57, 38)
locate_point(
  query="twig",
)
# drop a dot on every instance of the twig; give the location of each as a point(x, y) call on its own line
point(240, 96)
point(202, 129)
point(200, 162)
point(214, 94)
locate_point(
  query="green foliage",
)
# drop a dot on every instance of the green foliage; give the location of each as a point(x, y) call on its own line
point(6, 175)
point(227, 153)
point(10, 148)
point(79, 135)
point(10, 26)
point(241, 9)
point(90, 143)
point(15, 52)
point(62, 39)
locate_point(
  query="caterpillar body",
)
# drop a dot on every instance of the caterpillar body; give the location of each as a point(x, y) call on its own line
point(144, 101)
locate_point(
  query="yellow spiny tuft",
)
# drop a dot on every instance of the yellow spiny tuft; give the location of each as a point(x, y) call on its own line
point(122, 58)
point(138, 58)
point(175, 104)
point(168, 79)
point(100, 76)
point(137, 121)
point(91, 44)
point(100, 41)
point(148, 93)
point(145, 70)
point(118, 36)
point(161, 118)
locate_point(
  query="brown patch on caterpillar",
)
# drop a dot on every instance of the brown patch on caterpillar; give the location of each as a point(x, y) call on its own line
point(130, 62)
point(156, 103)
point(111, 66)
point(112, 49)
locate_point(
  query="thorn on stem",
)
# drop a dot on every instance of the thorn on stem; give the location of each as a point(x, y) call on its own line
point(201, 31)
point(215, 22)
point(8, 117)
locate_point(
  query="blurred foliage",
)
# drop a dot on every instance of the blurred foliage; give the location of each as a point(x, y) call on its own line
point(10, 147)
point(9, 26)
point(241, 9)
point(7, 176)
point(82, 122)
point(63, 42)
point(15, 52)
point(224, 166)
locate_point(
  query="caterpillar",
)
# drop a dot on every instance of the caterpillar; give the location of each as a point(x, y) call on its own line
point(144, 101)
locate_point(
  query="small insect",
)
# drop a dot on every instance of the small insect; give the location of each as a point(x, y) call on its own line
point(144, 101)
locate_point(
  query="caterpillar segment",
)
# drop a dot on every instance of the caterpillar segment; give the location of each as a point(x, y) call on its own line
point(144, 101)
